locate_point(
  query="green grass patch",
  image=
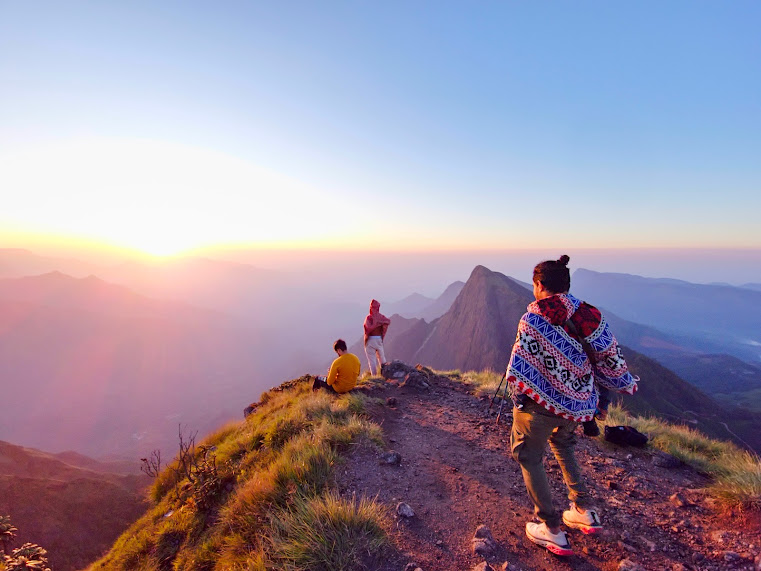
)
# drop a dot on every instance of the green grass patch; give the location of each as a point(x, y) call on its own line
point(326, 533)
point(483, 383)
point(279, 460)
point(736, 473)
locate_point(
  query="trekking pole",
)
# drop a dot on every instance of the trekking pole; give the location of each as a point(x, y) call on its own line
point(499, 386)
point(502, 403)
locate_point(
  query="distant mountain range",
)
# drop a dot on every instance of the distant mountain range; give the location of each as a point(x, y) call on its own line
point(478, 332)
point(74, 506)
point(727, 378)
point(274, 303)
point(18, 262)
point(94, 367)
point(420, 306)
point(112, 367)
point(705, 318)
point(410, 306)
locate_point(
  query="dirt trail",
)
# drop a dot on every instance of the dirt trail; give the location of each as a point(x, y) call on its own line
point(456, 473)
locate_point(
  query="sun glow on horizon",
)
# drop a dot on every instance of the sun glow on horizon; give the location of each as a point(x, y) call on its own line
point(161, 198)
point(166, 200)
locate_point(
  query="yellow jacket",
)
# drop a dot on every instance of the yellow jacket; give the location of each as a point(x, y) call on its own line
point(344, 373)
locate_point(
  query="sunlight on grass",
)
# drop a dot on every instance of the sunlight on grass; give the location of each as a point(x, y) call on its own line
point(736, 473)
point(327, 533)
point(484, 383)
point(282, 459)
point(276, 508)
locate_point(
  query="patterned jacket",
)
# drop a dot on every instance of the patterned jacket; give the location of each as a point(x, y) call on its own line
point(550, 366)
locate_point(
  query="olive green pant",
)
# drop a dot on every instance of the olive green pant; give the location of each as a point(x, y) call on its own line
point(533, 427)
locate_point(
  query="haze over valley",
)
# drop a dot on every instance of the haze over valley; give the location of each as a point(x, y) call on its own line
point(110, 365)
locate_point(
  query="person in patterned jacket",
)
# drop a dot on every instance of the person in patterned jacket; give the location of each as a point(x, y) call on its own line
point(564, 355)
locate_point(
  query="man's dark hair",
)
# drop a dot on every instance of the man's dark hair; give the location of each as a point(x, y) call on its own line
point(339, 344)
point(554, 274)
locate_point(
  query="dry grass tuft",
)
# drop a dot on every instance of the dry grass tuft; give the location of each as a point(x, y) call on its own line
point(327, 533)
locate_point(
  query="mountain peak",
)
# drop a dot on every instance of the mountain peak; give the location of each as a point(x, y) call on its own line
point(480, 271)
point(477, 331)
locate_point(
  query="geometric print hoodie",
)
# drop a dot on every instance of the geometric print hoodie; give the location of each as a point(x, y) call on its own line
point(550, 366)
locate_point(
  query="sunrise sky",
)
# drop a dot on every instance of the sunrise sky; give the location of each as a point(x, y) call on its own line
point(168, 126)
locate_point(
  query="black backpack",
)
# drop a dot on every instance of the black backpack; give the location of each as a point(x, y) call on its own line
point(625, 436)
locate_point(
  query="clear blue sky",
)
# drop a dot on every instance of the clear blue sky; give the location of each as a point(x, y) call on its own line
point(384, 124)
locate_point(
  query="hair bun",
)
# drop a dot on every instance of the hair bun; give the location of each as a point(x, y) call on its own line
point(563, 261)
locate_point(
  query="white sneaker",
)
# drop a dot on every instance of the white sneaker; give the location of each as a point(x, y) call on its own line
point(586, 520)
point(556, 543)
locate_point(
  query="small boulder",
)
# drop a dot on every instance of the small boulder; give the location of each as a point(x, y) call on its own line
point(481, 547)
point(419, 378)
point(405, 510)
point(483, 566)
point(416, 379)
point(394, 370)
point(391, 458)
point(483, 543)
point(483, 532)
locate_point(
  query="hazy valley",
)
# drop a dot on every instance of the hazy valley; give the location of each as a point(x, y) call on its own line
point(111, 365)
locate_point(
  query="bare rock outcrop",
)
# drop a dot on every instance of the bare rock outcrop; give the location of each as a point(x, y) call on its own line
point(417, 377)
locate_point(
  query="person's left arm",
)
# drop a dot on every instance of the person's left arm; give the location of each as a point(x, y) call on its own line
point(333, 373)
point(609, 367)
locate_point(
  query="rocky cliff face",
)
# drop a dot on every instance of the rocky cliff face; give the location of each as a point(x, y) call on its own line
point(479, 329)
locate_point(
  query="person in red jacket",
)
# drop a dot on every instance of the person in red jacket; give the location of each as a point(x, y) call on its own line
point(376, 325)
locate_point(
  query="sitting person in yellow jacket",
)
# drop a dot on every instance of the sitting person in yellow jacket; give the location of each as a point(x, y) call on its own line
point(343, 373)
